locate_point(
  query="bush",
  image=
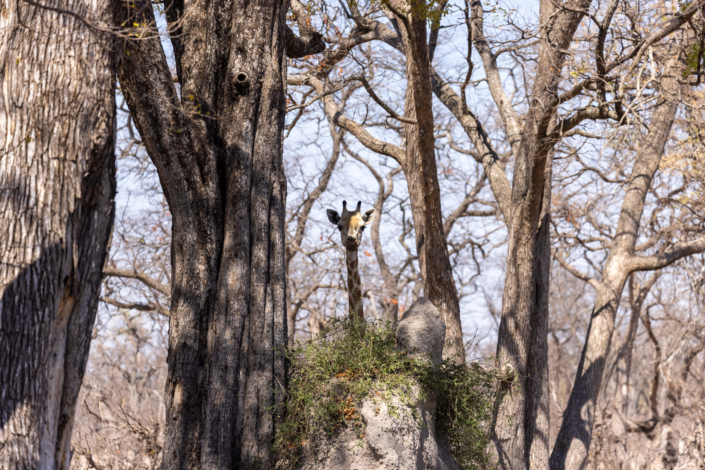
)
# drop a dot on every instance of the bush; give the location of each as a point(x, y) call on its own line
point(331, 376)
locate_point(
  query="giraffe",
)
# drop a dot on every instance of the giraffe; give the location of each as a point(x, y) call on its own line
point(351, 226)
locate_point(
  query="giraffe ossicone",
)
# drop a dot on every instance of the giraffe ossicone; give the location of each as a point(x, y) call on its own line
point(351, 225)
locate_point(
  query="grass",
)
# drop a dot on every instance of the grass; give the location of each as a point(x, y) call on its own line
point(332, 375)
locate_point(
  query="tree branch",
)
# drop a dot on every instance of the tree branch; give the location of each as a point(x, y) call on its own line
point(668, 257)
point(311, 41)
point(574, 271)
point(334, 114)
point(303, 214)
point(462, 209)
point(592, 113)
point(377, 100)
point(480, 139)
point(297, 47)
point(675, 23)
point(142, 277)
point(137, 306)
point(494, 81)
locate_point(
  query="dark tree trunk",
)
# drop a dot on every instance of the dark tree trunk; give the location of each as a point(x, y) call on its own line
point(57, 184)
point(422, 178)
point(218, 152)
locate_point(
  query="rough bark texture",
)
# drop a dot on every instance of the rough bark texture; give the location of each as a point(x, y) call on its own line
point(537, 384)
point(57, 184)
point(422, 178)
point(573, 441)
point(218, 151)
point(520, 433)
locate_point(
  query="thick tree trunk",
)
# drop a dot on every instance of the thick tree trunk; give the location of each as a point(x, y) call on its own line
point(537, 392)
point(573, 441)
point(522, 420)
point(520, 430)
point(218, 152)
point(424, 189)
point(57, 184)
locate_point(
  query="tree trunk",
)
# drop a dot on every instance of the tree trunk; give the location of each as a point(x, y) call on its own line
point(422, 179)
point(521, 418)
point(637, 296)
point(57, 184)
point(218, 153)
point(520, 430)
point(573, 441)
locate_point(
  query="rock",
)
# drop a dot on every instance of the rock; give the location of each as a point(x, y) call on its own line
point(402, 440)
point(422, 332)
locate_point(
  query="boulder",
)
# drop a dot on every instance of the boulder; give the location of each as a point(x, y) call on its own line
point(402, 438)
point(421, 331)
point(397, 433)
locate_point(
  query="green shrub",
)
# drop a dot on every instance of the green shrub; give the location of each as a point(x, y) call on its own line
point(332, 375)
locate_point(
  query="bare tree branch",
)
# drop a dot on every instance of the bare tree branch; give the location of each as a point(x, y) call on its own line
point(668, 257)
point(142, 277)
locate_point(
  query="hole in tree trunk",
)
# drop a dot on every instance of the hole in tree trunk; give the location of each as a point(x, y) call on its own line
point(242, 83)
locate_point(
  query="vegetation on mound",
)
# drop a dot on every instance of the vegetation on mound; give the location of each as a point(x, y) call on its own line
point(332, 375)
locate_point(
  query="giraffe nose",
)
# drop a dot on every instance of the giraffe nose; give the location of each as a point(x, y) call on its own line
point(351, 239)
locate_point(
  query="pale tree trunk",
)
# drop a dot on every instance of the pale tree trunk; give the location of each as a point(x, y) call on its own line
point(218, 152)
point(57, 184)
point(573, 441)
point(422, 179)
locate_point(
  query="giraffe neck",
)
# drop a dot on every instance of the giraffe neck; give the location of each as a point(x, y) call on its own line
point(354, 285)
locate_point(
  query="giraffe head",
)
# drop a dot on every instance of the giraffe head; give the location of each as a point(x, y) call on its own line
point(351, 224)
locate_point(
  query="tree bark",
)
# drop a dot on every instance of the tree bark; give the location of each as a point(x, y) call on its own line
point(637, 296)
point(573, 441)
point(520, 431)
point(422, 179)
point(57, 184)
point(217, 147)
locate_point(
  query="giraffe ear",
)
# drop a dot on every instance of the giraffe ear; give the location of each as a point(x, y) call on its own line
point(369, 216)
point(333, 216)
